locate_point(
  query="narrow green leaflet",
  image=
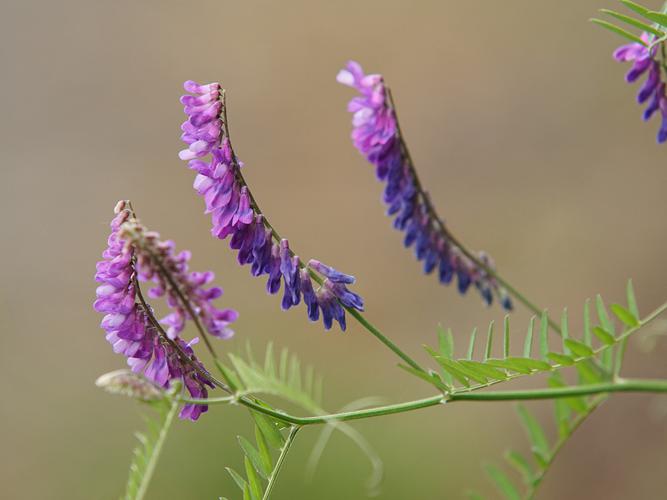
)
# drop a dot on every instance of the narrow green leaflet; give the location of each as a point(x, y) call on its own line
point(503, 483)
point(633, 22)
point(578, 348)
point(624, 315)
point(528, 343)
point(253, 455)
point(657, 17)
point(471, 346)
point(506, 336)
point(269, 429)
point(604, 336)
point(619, 31)
point(632, 301)
point(489, 342)
point(519, 462)
point(544, 332)
point(635, 7)
point(535, 432)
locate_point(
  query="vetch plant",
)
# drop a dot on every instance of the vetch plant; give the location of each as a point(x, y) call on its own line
point(166, 374)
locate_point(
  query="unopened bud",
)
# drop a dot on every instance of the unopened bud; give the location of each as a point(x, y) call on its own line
point(128, 383)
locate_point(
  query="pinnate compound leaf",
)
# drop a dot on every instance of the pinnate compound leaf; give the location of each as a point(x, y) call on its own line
point(150, 445)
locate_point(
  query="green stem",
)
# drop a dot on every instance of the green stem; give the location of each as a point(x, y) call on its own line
point(629, 385)
point(281, 459)
point(152, 462)
point(621, 385)
point(464, 394)
point(537, 480)
point(448, 235)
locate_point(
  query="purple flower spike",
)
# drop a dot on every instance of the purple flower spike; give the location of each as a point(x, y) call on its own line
point(235, 214)
point(653, 89)
point(375, 133)
point(130, 256)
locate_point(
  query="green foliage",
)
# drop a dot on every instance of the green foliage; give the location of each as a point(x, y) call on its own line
point(281, 376)
point(569, 413)
point(278, 376)
point(594, 361)
point(262, 461)
point(651, 22)
point(147, 452)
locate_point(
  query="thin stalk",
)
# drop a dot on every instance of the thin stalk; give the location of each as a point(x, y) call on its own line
point(536, 480)
point(281, 459)
point(353, 312)
point(152, 462)
point(462, 394)
point(622, 385)
point(448, 235)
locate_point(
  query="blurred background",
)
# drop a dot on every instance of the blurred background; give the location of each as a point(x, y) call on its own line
point(523, 130)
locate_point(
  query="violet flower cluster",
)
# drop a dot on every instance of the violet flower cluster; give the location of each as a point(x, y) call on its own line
point(234, 214)
point(646, 60)
point(376, 135)
point(130, 255)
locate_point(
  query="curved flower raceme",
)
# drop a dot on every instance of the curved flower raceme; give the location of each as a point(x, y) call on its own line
point(377, 136)
point(647, 60)
point(131, 255)
point(234, 214)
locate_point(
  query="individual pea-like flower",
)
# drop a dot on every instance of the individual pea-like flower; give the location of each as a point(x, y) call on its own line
point(376, 135)
point(234, 214)
point(131, 255)
point(649, 61)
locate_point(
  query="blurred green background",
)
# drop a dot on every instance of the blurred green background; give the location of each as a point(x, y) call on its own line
point(523, 129)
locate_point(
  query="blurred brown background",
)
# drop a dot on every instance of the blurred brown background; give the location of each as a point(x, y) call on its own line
point(524, 132)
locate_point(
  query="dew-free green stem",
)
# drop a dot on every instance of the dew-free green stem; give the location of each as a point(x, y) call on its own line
point(152, 462)
point(281, 459)
point(537, 479)
point(621, 385)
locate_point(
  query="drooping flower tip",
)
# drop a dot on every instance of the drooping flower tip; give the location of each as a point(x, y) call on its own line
point(234, 214)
